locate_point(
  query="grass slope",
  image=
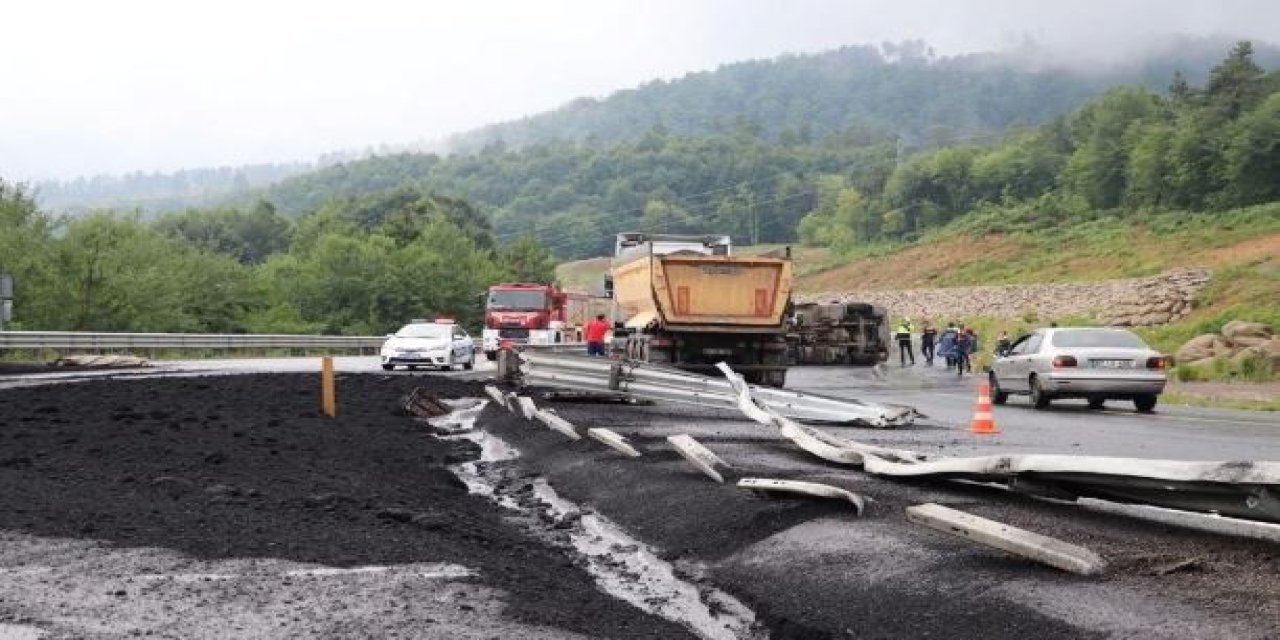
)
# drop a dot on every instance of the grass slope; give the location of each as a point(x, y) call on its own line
point(1240, 247)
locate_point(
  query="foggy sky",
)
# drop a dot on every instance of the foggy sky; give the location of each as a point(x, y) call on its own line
point(93, 87)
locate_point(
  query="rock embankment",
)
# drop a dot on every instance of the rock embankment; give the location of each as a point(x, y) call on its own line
point(1132, 302)
point(1239, 341)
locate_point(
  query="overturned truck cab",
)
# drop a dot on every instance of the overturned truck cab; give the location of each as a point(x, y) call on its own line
point(687, 301)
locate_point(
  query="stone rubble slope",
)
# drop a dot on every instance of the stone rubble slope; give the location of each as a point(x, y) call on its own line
point(1136, 302)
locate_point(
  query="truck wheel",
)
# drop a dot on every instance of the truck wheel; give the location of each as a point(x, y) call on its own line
point(491, 355)
point(388, 367)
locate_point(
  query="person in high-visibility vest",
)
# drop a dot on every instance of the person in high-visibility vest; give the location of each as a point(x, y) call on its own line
point(903, 335)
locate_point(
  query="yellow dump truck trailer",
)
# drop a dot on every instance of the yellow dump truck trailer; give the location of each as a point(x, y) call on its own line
point(687, 301)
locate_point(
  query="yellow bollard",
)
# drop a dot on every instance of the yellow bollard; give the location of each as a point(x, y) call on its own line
point(328, 401)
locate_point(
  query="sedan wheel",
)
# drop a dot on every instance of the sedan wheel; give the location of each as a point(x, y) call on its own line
point(1145, 403)
point(1097, 403)
point(1039, 399)
point(997, 396)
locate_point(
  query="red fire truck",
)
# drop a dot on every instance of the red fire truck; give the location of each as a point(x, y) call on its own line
point(536, 313)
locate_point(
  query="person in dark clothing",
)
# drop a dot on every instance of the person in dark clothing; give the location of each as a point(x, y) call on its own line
point(1003, 345)
point(903, 335)
point(947, 344)
point(966, 344)
point(928, 336)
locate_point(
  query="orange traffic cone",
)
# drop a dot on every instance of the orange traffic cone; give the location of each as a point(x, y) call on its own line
point(982, 420)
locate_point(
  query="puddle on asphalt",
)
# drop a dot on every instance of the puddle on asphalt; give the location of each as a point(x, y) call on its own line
point(621, 565)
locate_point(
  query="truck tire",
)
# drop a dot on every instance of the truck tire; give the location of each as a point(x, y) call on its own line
point(491, 355)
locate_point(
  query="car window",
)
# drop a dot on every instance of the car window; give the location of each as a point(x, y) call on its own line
point(1033, 343)
point(423, 330)
point(1117, 338)
point(1019, 347)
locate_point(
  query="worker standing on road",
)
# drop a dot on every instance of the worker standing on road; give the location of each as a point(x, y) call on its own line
point(905, 350)
point(966, 344)
point(947, 344)
point(596, 330)
point(1002, 344)
point(928, 335)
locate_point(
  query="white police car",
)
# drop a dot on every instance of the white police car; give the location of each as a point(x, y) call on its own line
point(441, 344)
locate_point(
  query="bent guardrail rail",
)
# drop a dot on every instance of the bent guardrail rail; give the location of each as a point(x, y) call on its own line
point(1244, 489)
point(656, 382)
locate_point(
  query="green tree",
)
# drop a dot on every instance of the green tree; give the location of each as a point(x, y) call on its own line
point(527, 260)
point(129, 277)
point(1236, 85)
point(1252, 155)
point(28, 254)
point(1148, 171)
point(1096, 171)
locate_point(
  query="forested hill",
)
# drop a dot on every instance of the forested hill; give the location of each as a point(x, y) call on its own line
point(898, 92)
point(899, 88)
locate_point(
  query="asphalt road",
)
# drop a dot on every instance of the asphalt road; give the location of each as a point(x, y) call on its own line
point(1068, 426)
point(814, 569)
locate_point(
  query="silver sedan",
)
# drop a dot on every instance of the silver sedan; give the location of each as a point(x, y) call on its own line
point(1080, 362)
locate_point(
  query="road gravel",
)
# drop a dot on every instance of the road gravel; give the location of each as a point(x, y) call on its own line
point(195, 507)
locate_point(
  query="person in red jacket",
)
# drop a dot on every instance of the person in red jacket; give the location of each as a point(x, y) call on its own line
point(596, 330)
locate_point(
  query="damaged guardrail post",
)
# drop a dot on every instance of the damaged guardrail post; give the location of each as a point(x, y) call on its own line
point(699, 456)
point(613, 440)
point(813, 489)
point(556, 423)
point(1042, 549)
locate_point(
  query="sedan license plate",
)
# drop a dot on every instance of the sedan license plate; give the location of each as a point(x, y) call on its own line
point(1111, 364)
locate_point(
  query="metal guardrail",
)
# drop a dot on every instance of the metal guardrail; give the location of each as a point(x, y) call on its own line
point(1241, 489)
point(87, 340)
point(655, 382)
